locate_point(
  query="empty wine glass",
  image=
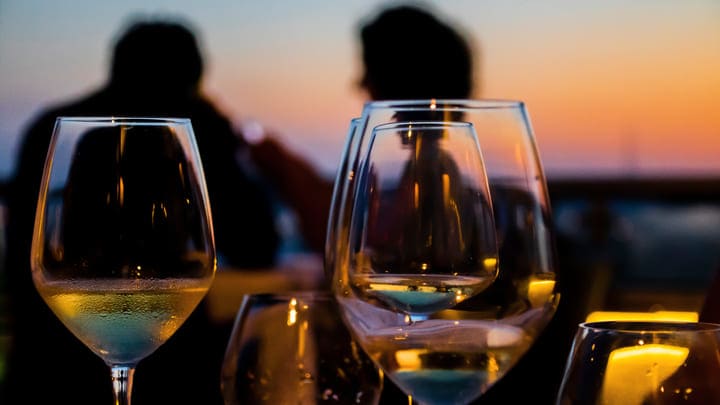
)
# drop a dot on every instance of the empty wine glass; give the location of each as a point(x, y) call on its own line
point(467, 348)
point(339, 186)
point(123, 248)
point(644, 363)
point(295, 349)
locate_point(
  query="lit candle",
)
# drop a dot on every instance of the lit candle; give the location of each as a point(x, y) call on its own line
point(635, 372)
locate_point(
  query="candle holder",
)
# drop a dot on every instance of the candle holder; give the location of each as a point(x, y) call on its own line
point(646, 363)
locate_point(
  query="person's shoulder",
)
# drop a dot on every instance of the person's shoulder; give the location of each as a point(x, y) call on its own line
point(208, 117)
point(203, 108)
point(47, 116)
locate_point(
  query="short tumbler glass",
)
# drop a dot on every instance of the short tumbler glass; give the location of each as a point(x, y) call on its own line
point(294, 349)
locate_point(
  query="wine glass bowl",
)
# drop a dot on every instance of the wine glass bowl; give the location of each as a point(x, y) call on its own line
point(123, 249)
point(526, 279)
point(339, 186)
point(643, 363)
point(422, 235)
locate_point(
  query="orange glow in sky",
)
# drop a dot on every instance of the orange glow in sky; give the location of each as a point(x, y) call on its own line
point(613, 87)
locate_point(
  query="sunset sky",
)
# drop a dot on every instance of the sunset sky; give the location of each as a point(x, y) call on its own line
point(613, 87)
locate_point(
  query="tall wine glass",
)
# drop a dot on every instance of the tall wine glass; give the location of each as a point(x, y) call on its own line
point(336, 225)
point(123, 247)
point(508, 315)
point(338, 192)
point(421, 240)
point(648, 363)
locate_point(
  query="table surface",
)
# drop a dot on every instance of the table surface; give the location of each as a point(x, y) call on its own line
point(298, 273)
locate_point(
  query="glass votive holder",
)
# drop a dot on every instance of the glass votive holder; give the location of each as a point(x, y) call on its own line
point(646, 363)
point(294, 349)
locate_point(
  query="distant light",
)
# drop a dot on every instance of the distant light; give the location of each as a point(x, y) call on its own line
point(253, 132)
point(490, 263)
point(661, 316)
point(540, 292)
point(292, 312)
point(410, 359)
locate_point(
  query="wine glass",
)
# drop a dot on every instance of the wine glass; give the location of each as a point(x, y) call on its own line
point(338, 191)
point(422, 233)
point(508, 315)
point(337, 225)
point(643, 363)
point(123, 247)
point(421, 240)
point(294, 348)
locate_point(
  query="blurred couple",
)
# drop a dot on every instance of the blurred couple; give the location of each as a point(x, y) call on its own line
point(156, 70)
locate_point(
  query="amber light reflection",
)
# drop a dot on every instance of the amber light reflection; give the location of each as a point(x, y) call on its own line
point(646, 365)
point(658, 316)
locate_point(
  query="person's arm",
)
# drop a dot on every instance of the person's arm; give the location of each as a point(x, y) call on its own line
point(297, 181)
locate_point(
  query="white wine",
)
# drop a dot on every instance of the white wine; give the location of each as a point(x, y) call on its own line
point(123, 321)
point(433, 370)
point(419, 293)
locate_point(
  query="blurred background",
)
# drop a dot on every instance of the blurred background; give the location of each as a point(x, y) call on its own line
point(623, 97)
point(613, 88)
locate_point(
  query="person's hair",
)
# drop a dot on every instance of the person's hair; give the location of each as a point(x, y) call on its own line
point(157, 53)
point(408, 53)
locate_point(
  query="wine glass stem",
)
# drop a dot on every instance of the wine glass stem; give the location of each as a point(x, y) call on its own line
point(122, 379)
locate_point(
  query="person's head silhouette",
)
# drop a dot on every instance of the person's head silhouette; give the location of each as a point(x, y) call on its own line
point(410, 54)
point(157, 57)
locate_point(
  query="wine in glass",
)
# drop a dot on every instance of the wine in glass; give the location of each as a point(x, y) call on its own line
point(648, 363)
point(123, 247)
point(456, 354)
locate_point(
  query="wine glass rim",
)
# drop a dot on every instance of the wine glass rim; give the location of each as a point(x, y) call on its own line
point(422, 125)
point(650, 326)
point(459, 104)
point(305, 295)
point(125, 120)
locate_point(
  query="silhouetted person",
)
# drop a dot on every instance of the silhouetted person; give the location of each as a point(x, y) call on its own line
point(156, 71)
point(409, 53)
